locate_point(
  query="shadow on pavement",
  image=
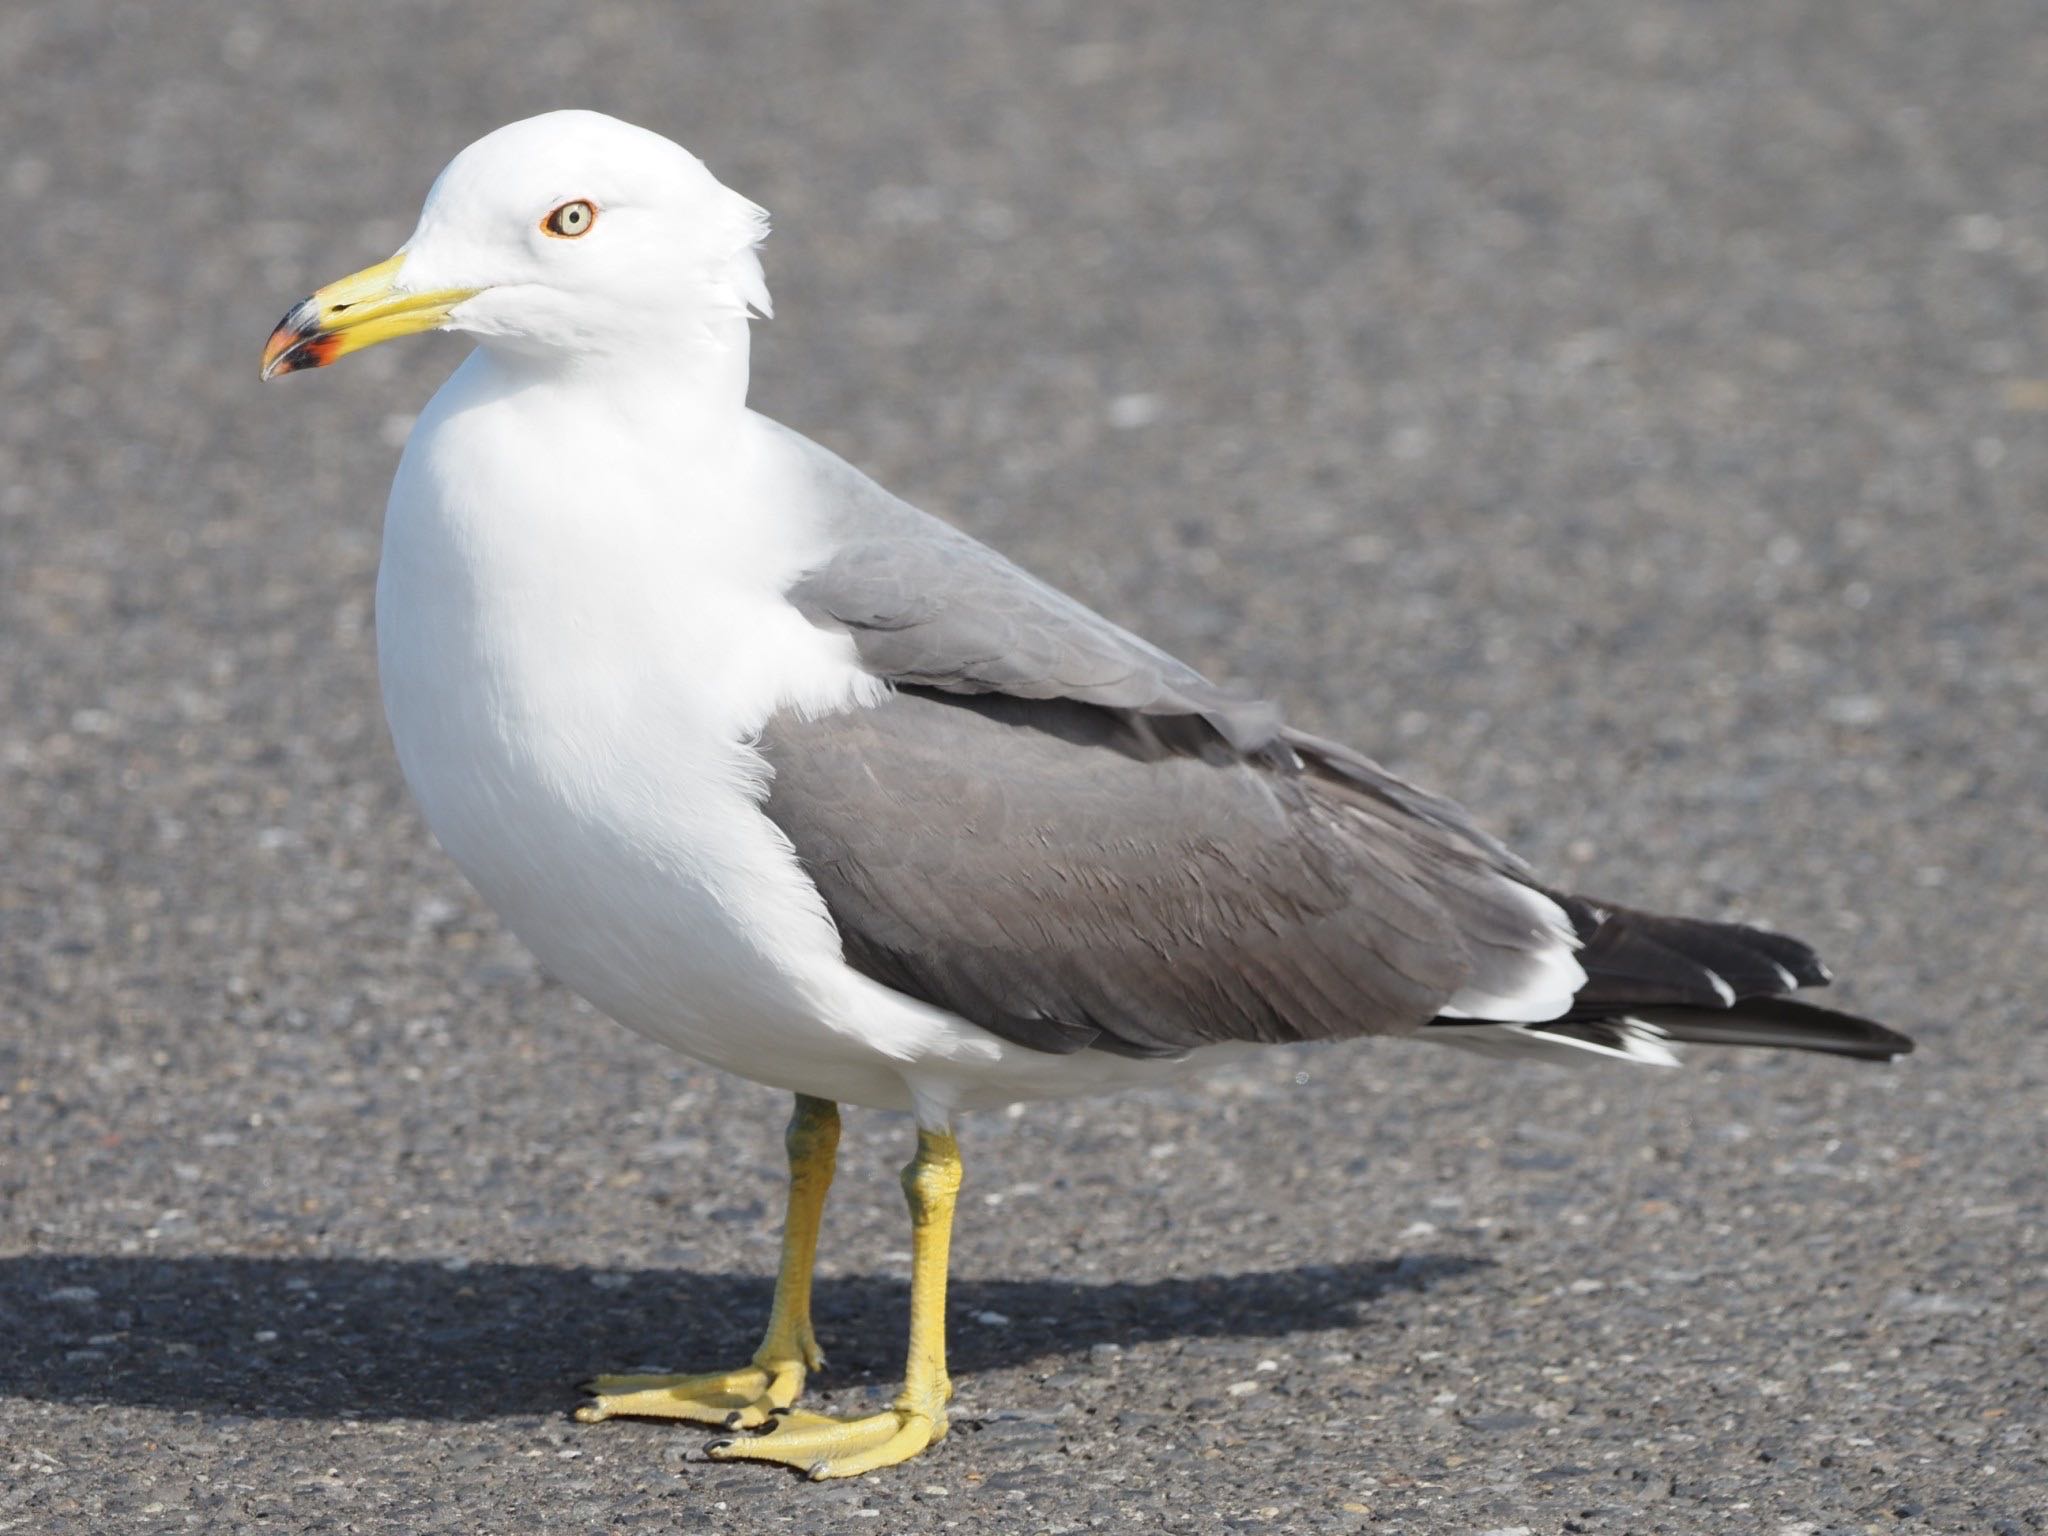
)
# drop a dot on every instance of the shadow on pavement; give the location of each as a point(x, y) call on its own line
point(385, 1338)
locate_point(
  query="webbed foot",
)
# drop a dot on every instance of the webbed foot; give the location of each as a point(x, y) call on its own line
point(823, 1445)
point(741, 1399)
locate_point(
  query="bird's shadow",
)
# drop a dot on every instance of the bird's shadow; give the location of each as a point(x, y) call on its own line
point(413, 1339)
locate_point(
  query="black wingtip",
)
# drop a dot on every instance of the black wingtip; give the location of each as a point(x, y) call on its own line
point(1782, 1023)
point(1637, 960)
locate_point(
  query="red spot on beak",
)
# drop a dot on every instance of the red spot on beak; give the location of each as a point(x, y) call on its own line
point(298, 342)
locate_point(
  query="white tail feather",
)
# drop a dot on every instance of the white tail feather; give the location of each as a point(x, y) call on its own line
point(1642, 1044)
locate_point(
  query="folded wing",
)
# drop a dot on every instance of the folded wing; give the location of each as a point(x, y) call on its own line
point(1058, 831)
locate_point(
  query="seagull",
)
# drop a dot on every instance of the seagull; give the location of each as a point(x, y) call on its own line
point(785, 774)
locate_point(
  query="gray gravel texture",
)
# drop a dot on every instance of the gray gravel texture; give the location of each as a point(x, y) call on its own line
point(1631, 415)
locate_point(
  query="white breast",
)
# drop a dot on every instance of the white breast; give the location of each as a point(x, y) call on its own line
point(577, 640)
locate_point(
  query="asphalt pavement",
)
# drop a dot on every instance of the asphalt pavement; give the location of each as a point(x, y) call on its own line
point(1628, 415)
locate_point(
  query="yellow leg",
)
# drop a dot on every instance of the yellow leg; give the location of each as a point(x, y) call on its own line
point(755, 1392)
point(825, 1446)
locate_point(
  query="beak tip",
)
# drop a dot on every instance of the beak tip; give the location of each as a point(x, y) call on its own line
point(294, 347)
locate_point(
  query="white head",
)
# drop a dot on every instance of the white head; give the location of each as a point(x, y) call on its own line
point(571, 233)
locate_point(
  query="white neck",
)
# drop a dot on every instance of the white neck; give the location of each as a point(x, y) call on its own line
point(696, 372)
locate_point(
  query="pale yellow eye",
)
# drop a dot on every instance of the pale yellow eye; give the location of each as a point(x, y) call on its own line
point(570, 220)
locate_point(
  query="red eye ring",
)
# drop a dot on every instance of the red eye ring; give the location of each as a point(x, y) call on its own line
point(573, 220)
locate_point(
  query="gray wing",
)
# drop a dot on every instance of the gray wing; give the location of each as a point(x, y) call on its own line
point(928, 606)
point(1068, 876)
point(1061, 833)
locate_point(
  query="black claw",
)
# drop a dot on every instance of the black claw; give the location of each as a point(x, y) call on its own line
point(732, 1420)
point(717, 1445)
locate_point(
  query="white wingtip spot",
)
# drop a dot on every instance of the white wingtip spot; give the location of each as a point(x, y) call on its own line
point(1721, 988)
point(1785, 977)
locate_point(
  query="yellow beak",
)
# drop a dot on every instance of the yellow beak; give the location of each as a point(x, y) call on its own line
point(357, 312)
